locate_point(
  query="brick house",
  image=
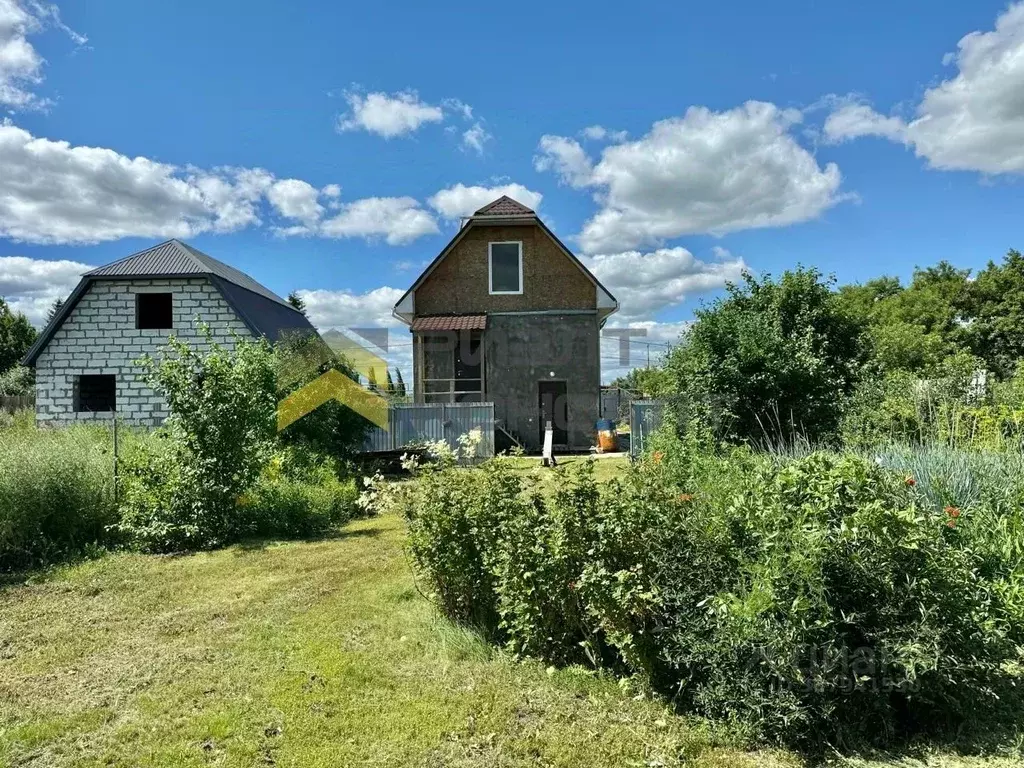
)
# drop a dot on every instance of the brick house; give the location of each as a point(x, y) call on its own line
point(507, 314)
point(86, 358)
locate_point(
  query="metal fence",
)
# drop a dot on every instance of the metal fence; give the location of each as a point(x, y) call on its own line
point(645, 416)
point(12, 403)
point(410, 425)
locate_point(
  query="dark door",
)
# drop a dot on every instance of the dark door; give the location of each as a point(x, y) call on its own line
point(554, 408)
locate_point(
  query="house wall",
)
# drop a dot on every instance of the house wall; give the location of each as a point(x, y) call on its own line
point(100, 337)
point(522, 350)
point(460, 284)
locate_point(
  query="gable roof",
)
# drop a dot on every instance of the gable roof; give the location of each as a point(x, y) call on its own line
point(504, 210)
point(505, 206)
point(263, 311)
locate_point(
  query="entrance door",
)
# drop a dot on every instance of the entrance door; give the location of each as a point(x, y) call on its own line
point(554, 408)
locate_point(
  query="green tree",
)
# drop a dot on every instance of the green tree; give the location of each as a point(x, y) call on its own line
point(332, 429)
point(16, 336)
point(399, 383)
point(54, 309)
point(771, 355)
point(994, 306)
point(221, 433)
point(912, 329)
point(372, 379)
point(390, 382)
point(647, 382)
point(297, 302)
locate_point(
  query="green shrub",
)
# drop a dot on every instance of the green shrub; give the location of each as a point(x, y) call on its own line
point(184, 493)
point(19, 380)
point(293, 502)
point(815, 599)
point(453, 528)
point(843, 608)
point(56, 494)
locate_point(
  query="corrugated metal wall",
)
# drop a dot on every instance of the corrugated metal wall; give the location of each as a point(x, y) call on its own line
point(645, 416)
point(410, 425)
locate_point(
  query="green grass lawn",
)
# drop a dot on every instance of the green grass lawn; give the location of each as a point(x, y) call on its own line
point(302, 654)
point(605, 469)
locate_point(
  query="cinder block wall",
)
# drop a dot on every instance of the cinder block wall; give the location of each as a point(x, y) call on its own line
point(523, 350)
point(100, 337)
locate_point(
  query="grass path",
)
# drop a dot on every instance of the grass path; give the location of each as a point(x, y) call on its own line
point(299, 654)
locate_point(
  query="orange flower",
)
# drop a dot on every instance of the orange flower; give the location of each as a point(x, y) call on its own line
point(953, 512)
point(658, 456)
point(951, 523)
point(686, 497)
point(910, 481)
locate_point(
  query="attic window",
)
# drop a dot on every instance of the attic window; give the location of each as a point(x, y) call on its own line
point(154, 311)
point(96, 393)
point(505, 269)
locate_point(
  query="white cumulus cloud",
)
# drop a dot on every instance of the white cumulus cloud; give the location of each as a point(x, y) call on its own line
point(852, 121)
point(31, 285)
point(475, 137)
point(297, 199)
point(398, 220)
point(704, 172)
point(53, 192)
point(21, 65)
point(973, 121)
point(600, 133)
point(460, 200)
point(345, 309)
point(388, 115)
point(566, 158)
point(646, 283)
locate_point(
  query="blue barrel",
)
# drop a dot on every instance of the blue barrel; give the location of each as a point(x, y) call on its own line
point(605, 425)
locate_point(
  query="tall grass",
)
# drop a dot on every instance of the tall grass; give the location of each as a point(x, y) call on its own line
point(56, 492)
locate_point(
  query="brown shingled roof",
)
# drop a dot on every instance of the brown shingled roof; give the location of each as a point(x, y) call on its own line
point(505, 206)
point(450, 323)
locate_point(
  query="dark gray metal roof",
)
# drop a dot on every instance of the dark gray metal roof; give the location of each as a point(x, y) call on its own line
point(177, 258)
point(263, 311)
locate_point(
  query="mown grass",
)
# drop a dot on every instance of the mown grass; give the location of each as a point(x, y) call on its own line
point(305, 654)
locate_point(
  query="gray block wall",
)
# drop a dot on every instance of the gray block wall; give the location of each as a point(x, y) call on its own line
point(100, 337)
point(523, 350)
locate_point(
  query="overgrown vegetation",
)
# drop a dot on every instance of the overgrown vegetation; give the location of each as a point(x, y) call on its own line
point(217, 472)
point(825, 544)
point(811, 600)
point(56, 493)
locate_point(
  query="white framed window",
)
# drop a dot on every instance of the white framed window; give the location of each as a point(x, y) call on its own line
point(505, 267)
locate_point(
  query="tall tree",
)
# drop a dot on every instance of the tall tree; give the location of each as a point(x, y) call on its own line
point(372, 379)
point(297, 301)
point(54, 309)
point(771, 355)
point(16, 336)
point(399, 383)
point(915, 328)
point(390, 381)
point(994, 307)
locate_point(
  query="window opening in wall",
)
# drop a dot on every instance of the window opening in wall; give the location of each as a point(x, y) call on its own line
point(95, 393)
point(505, 267)
point(154, 311)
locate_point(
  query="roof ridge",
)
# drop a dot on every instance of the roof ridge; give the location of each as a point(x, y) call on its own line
point(173, 240)
point(509, 205)
point(191, 253)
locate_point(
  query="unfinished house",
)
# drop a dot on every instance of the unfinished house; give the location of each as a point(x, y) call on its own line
point(507, 314)
point(87, 358)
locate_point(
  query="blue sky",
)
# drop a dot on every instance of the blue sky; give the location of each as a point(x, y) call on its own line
point(330, 148)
